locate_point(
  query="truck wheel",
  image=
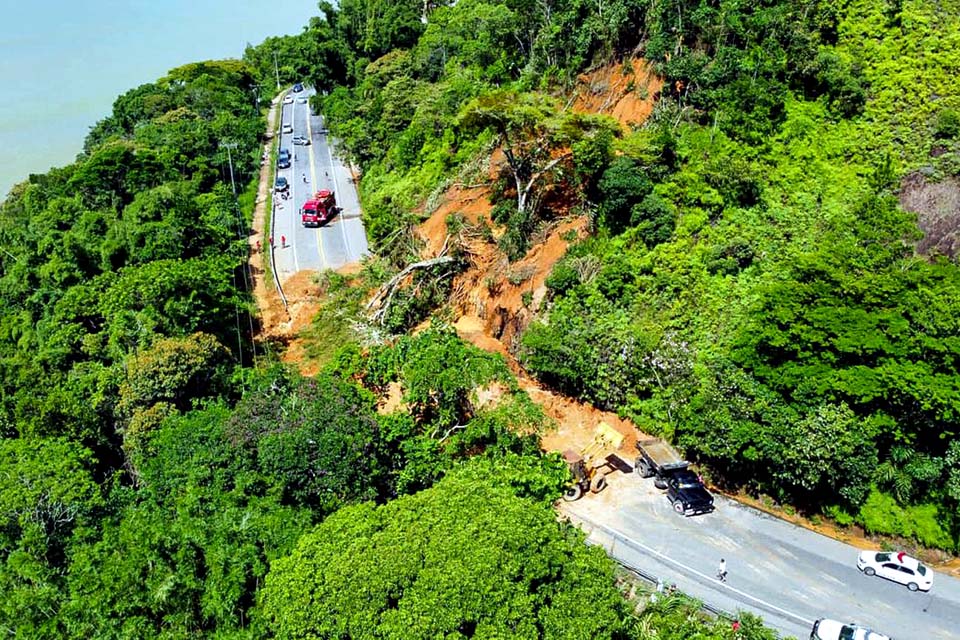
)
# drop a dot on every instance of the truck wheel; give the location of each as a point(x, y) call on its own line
point(598, 484)
point(642, 468)
point(573, 493)
point(678, 507)
point(660, 483)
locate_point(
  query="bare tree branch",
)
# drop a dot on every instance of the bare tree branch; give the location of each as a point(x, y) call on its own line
point(380, 303)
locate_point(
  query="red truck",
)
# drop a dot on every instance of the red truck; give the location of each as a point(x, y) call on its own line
point(319, 209)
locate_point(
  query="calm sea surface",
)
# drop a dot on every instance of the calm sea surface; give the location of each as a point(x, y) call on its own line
point(63, 62)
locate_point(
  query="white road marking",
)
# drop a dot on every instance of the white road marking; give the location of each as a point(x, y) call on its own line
point(704, 577)
point(313, 176)
point(293, 202)
point(336, 189)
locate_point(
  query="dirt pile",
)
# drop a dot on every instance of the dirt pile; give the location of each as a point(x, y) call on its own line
point(575, 421)
point(271, 311)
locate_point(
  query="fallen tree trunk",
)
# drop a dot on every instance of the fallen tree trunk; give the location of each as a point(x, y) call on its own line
point(380, 303)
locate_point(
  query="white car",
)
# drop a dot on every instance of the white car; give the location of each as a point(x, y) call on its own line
point(288, 100)
point(827, 629)
point(288, 128)
point(896, 566)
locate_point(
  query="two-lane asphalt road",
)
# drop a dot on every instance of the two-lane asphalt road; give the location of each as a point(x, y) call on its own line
point(315, 166)
point(788, 575)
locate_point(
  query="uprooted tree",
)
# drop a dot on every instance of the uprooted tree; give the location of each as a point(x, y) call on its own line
point(533, 131)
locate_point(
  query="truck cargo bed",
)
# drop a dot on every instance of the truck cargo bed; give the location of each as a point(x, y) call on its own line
point(660, 453)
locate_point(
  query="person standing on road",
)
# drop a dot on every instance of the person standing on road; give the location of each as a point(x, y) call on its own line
point(722, 570)
point(304, 178)
point(283, 242)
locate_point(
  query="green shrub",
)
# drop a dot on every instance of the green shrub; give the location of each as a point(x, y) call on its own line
point(839, 515)
point(622, 186)
point(654, 219)
point(927, 526)
point(562, 278)
point(881, 514)
point(948, 124)
point(842, 84)
point(592, 155)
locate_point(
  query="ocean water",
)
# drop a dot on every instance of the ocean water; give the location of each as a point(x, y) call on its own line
point(63, 62)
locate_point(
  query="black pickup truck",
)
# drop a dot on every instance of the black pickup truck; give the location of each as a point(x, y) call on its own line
point(685, 491)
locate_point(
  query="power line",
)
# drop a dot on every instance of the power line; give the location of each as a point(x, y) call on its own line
point(246, 280)
point(228, 146)
point(276, 69)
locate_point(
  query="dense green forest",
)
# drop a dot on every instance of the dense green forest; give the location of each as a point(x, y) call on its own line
point(772, 279)
point(771, 282)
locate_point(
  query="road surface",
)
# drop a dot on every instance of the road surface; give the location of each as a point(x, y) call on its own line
point(788, 575)
point(338, 242)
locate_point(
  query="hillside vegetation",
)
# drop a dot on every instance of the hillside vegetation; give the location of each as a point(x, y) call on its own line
point(753, 289)
point(770, 280)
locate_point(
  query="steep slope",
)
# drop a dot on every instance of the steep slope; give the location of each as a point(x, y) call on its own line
point(495, 299)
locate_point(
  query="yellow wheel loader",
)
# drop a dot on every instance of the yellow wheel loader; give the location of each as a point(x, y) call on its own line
point(591, 465)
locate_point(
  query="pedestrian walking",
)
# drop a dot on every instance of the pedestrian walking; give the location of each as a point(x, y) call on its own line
point(722, 570)
point(258, 246)
point(271, 242)
point(304, 178)
point(283, 242)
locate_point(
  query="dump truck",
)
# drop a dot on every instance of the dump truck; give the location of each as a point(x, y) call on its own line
point(319, 209)
point(590, 466)
point(685, 490)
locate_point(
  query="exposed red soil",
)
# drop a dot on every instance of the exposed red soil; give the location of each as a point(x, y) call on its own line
point(625, 91)
point(270, 307)
point(303, 301)
point(575, 421)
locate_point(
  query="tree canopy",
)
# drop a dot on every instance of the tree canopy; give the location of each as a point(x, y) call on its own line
point(464, 558)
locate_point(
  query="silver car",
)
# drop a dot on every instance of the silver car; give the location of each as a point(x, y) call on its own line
point(827, 629)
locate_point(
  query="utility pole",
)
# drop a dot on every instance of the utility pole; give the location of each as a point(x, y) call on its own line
point(276, 69)
point(228, 146)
